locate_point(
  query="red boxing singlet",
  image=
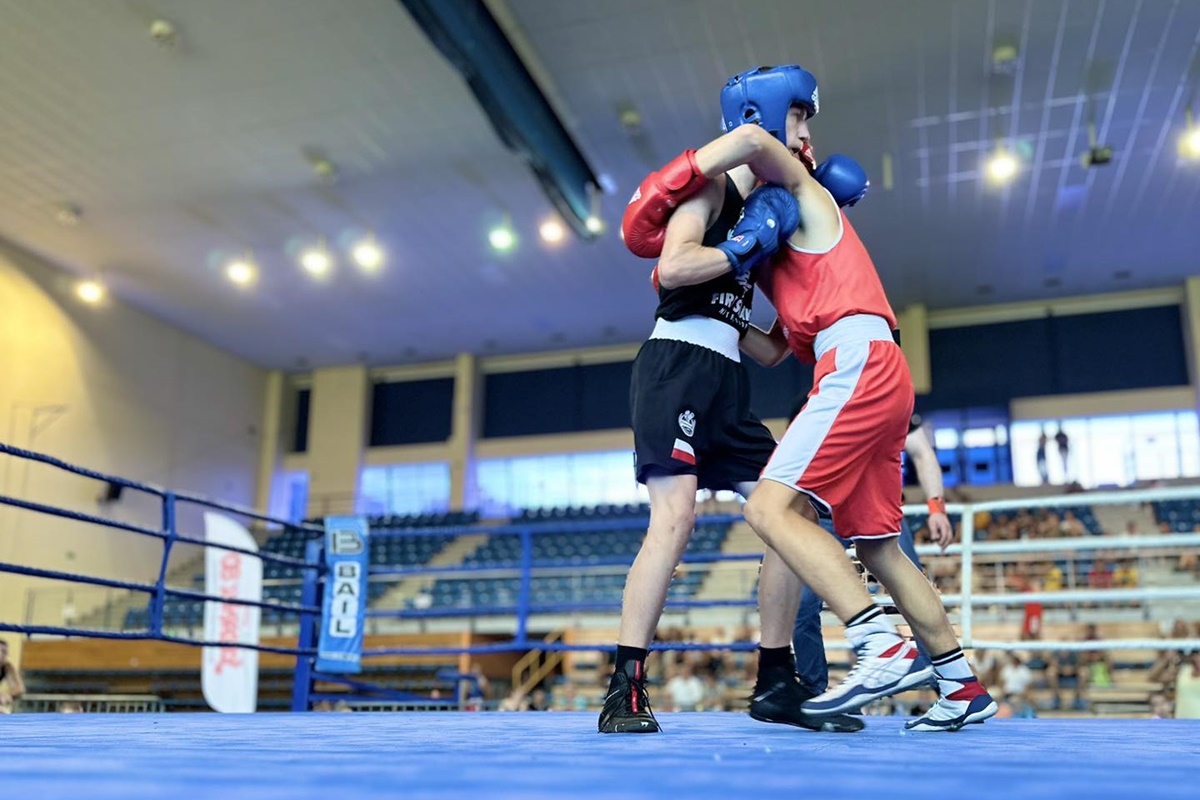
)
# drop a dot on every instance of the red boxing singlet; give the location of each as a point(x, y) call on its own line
point(811, 291)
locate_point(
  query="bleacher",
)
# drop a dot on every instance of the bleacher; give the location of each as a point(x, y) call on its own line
point(281, 582)
point(1183, 516)
point(570, 550)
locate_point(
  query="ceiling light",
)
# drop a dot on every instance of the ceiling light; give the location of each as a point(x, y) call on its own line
point(91, 291)
point(164, 34)
point(316, 261)
point(1191, 142)
point(241, 272)
point(502, 238)
point(1002, 166)
point(67, 215)
point(368, 255)
point(552, 231)
point(594, 224)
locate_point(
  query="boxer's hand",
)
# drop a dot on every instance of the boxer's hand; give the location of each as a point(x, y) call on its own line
point(769, 217)
point(941, 532)
point(645, 222)
point(843, 178)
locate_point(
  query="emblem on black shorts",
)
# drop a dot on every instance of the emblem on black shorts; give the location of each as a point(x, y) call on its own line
point(687, 422)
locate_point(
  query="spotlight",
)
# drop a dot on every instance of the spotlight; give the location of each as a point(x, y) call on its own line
point(368, 255)
point(1191, 142)
point(1002, 166)
point(90, 292)
point(552, 231)
point(502, 238)
point(594, 224)
point(316, 262)
point(241, 272)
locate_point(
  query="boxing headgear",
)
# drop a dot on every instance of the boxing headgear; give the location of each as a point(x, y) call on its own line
point(763, 95)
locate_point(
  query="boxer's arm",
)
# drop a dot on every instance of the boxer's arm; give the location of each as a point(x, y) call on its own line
point(685, 260)
point(768, 348)
point(929, 476)
point(752, 146)
point(16, 686)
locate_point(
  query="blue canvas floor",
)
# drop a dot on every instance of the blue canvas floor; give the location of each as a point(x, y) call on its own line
point(556, 755)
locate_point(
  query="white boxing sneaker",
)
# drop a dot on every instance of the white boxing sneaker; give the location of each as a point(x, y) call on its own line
point(960, 703)
point(887, 664)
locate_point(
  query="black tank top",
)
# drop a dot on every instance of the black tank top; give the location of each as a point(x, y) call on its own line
point(723, 298)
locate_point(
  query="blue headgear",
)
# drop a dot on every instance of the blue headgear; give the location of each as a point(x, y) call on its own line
point(763, 95)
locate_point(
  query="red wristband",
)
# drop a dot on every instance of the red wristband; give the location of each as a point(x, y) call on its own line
point(937, 505)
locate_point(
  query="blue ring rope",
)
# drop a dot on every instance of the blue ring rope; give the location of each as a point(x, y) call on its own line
point(79, 517)
point(545, 608)
point(237, 601)
point(87, 473)
point(287, 561)
point(559, 647)
point(53, 630)
point(249, 513)
point(18, 569)
point(151, 588)
point(158, 491)
point(688, 558)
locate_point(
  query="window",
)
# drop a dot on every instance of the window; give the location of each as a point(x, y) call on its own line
point(507, 485)
point(1109, 450)
point(293, 499)
point(405, 489)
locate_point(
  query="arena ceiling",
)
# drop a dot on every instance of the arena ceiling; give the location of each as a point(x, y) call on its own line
point(180, 158)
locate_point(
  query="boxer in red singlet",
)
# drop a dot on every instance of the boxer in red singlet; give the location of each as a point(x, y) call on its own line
point(842, 453)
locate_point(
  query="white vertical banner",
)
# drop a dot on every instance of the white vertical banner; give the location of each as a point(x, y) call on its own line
point(229, 675)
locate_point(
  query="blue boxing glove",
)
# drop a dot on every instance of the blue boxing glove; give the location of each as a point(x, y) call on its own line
point(769, 217)
point(843, 178)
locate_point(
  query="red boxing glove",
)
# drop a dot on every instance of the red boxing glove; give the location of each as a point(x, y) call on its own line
point(645, 223)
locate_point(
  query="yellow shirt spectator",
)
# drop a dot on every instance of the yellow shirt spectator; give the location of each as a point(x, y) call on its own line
point(1054, 579)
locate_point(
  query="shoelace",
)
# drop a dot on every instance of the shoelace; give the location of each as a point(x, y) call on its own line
point(858, 668)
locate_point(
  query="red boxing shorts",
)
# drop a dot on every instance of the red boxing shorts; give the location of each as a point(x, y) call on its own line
point(843, 449)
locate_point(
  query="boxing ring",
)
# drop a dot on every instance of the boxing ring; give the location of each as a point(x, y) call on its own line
point(714, 754)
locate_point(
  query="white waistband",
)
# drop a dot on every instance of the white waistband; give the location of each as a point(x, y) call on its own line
point(701, 331)
point(857, 328)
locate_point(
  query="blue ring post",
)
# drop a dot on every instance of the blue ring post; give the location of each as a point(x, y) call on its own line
point(158, 599)
point(309, 596)
point(526, 586)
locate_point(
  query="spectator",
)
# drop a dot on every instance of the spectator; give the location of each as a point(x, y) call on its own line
point(1015, 676)
point(686, 690)
point(1022, 706)
point(1071, 525)
point(481, 681)
point(1101, 576)
point(1063, 672)
point(1054, 579)
point(517, 701)
point(985, 667)
point(539, 700)
point(1161, 707)
point(1126, 575)
point(1064, 452)
point(11, 685)
point(1099, 668)
point(1043, 441)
